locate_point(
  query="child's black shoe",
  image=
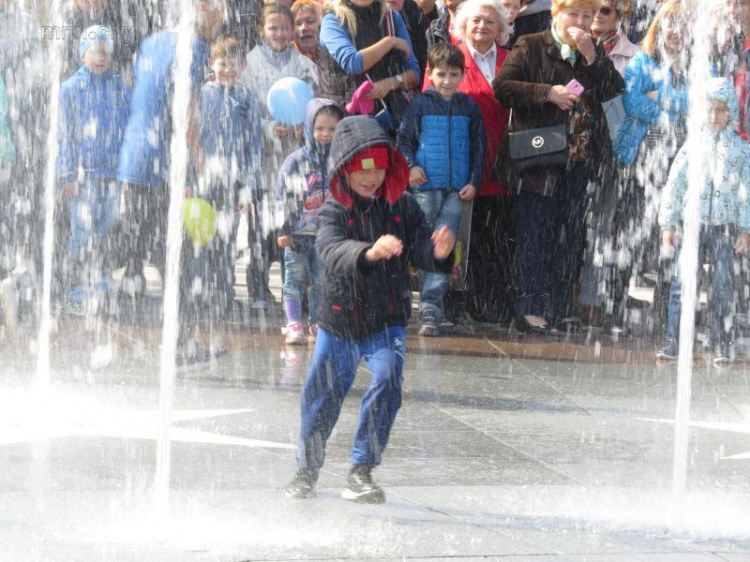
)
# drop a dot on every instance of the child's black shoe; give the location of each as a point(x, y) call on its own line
point(360, 487)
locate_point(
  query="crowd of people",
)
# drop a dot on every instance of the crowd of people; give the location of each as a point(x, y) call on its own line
point(548, 244)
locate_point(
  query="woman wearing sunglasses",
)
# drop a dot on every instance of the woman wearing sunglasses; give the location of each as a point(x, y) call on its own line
point(596, 275)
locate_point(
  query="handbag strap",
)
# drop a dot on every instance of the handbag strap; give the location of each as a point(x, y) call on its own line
point(510, 121)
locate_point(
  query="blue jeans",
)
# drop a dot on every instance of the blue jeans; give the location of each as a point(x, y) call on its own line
point(441, 207)
point(717, 245)
point(331, 375)
point(94, 213)
point(94, 210)
point(303, 269)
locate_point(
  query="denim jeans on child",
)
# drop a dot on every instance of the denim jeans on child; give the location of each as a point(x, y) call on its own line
point(94, 211)
point(303, 269)
point(716, 248)
point(331, 375)
point(441, 207)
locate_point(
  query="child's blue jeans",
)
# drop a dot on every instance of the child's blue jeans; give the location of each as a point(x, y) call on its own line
point(331, 375)
point(441, 207)
point(94, 210)
point(717, 245)
point(303, 269)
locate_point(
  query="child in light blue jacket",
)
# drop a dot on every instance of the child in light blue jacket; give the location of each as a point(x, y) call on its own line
point(724, 216)
point(94, 106)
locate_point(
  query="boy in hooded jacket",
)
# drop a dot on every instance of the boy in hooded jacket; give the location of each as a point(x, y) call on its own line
point(94, 107)
point(368, 233)
point(724, 217)
point(302, 189)
point(230, 135)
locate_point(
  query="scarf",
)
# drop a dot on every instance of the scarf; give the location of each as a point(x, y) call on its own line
point(277, 59)
point(568, 53)
point(609, 40)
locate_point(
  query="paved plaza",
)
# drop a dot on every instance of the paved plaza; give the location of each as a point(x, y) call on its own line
point(507, 448)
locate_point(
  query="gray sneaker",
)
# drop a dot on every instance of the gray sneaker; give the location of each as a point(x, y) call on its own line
point(302, 485)
point(446, 326)
point(360, 487)
point(428, 324)
point(669, 351)
point(723, 354)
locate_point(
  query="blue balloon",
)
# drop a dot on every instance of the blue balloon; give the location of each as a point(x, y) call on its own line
point(287, 101)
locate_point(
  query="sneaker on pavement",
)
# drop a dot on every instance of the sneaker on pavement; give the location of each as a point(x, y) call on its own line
point(428, 324)
point(360, 487)
point(669, 351)
point(302, 485)
point(294, 334)
point(192, 356)
point(723, 354)
point(446, 326)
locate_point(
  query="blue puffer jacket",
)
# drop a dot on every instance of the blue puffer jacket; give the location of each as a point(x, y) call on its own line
point(445, 139)
point(645, 74)
point(230, 132)
point(93, 116)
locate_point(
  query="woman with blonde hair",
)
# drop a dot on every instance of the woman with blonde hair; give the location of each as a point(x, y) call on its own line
point(307, 16)
point(556, 77)
point(656, 105)
point(361, 40)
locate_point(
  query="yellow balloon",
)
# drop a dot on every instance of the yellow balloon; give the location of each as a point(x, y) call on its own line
point(199, 218)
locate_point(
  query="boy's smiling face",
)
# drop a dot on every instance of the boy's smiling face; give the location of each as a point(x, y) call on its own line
point(366, 183)
point(227, 69)
point(718, 115)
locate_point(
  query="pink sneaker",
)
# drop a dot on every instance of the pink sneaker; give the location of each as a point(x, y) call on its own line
point(313, 331)
point(294, 334)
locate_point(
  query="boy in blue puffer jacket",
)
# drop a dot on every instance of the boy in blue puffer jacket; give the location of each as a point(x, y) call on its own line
point(302, 189)
point(442, 138)
point(94, 106)
point(230, 134)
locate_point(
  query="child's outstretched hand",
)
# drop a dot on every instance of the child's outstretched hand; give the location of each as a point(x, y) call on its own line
point(443, 241)
point(385, 248)
point(742, 245)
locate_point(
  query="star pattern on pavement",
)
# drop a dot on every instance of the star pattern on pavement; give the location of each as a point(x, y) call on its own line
point(28, 418)
point(743, 428)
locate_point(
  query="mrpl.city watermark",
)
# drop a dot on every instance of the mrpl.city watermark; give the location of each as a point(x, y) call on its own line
point(122, 35)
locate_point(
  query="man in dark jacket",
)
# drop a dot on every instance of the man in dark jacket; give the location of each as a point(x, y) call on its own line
point(368, 234)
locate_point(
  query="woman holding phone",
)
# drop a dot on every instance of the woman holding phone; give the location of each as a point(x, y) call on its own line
point(556, 77)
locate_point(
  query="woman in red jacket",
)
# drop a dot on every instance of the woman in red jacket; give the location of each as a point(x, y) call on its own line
point(483, 27)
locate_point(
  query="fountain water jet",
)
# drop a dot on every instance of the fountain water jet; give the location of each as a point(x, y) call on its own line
point(177, 179)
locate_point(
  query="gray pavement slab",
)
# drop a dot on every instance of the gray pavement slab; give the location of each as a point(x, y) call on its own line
point(494, 457)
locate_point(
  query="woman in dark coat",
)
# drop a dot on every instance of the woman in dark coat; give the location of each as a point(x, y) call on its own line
point(551, 200)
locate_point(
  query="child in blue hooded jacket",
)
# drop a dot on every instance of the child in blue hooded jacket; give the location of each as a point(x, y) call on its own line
point(302, 189)
point(94, 105)
point(230, 135)
point(724, 216)
point(369, 232)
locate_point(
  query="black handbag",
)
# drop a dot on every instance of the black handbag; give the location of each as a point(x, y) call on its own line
point(537, 148)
